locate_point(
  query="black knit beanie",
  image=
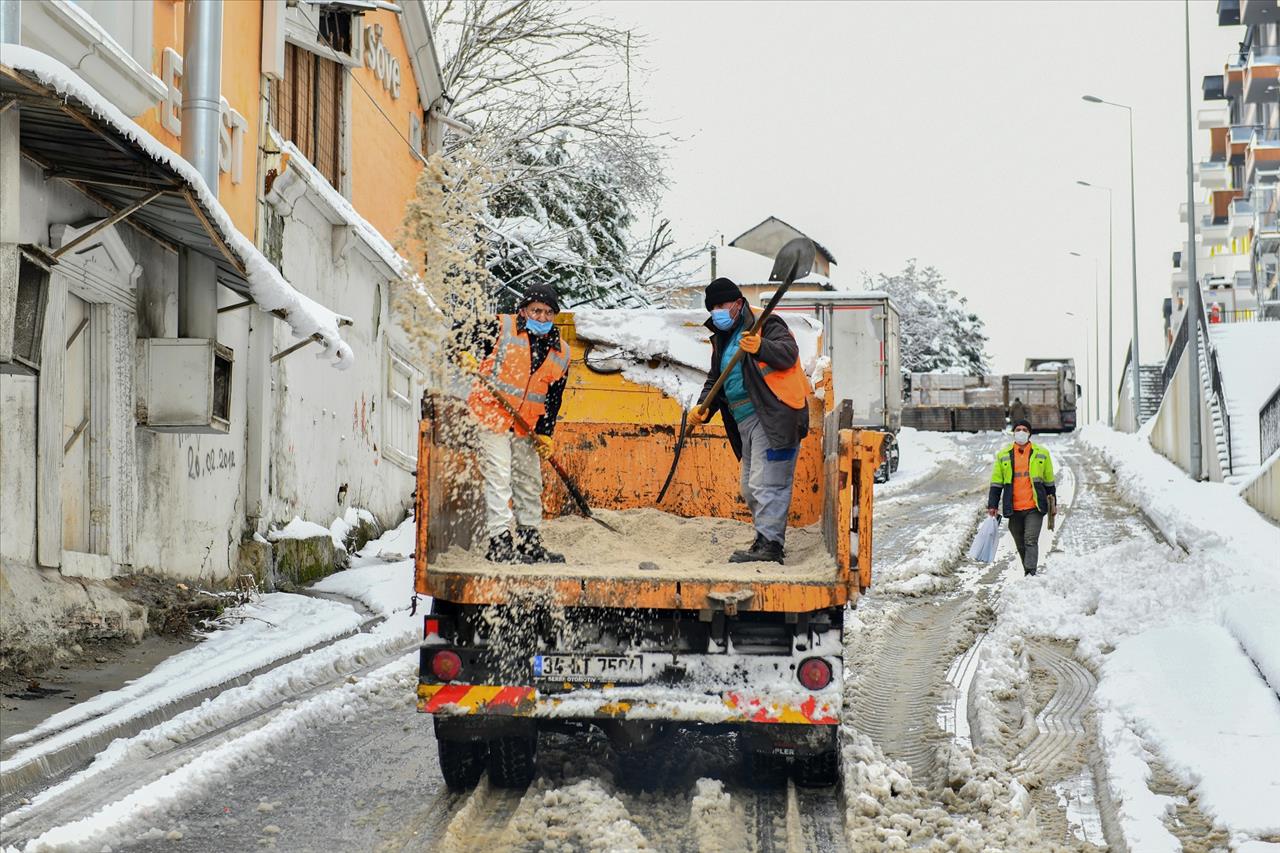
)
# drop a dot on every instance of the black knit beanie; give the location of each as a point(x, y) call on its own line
point(1022, 422)
point(544, 293)
point(720, 291)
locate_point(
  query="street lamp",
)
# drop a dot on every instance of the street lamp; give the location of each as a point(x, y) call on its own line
point(1097, 358)
point(1193, 284)
point(1085, 325)
point(1111, 306)
point(1133, 240)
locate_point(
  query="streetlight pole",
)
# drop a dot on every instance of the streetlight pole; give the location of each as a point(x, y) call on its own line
point(1193, 284)
point(1133, 241)
point(1111, 305)
point(1097, 347)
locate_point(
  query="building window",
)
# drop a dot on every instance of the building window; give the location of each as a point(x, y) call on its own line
point(335, 30)
point(306, 109)
point(22, 313)
point(400, 422)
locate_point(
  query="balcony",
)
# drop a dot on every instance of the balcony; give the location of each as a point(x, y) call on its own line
point(1262, 157)
point(1266, 231)
point(1238, 140)
point(1262, 75)
point(1228, 13)
point(1255, 12)
point(1214, 175)
point(1214, 233)
point(1239, 218)
point(1233, 74)
point(1213, 88)
point(1182, 212)
point(1217, 115)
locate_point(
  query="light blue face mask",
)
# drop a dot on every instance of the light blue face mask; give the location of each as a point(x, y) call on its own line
point(537, 327)
point(722, 319)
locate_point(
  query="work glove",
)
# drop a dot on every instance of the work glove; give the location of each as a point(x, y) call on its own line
point(468, 362)
point(545, 445)
point(749, 343)
point(699, 415)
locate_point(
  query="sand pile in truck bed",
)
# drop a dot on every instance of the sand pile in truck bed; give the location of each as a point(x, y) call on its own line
point(678, 549)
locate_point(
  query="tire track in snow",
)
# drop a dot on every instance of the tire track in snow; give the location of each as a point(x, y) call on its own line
point(1061, 723)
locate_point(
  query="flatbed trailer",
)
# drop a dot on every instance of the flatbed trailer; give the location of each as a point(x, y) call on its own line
point(640, 651)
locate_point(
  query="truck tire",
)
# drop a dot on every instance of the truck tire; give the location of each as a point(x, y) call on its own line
point(764, 769)
point(513, 760)
point(820, 770)
point(461, 762)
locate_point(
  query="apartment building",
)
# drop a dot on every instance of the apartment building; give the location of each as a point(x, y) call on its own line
point(1238, 216)
point(196, 335)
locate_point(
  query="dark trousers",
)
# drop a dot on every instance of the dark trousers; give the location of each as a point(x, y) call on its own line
point(1025, 526)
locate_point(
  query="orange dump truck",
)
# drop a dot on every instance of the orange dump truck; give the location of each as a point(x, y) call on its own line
point(641, 647)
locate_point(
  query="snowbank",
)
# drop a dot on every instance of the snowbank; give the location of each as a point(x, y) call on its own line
point(1249, 355)
point(269, 290)
point(1174, 633)
point(920, 454)
point(668, 349)
point(275, 627)
point(381, 575)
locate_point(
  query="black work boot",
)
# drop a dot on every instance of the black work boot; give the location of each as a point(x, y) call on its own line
point(529, 546)
point(761, 551)
point(502, 549)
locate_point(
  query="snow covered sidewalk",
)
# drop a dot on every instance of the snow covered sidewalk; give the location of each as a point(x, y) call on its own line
point(1185, 640)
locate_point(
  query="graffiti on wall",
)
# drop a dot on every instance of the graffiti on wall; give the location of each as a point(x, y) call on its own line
point(202, 463)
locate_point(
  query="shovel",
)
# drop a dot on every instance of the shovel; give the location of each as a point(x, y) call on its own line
point(794, 260)
point(570, 486)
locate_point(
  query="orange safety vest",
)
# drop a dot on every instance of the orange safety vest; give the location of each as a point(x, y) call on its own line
point(508, 368)
point(789, 385)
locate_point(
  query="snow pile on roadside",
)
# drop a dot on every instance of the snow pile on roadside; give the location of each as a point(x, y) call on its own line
point(716, 821)
point(1244, 352)
point(669, 349)
point(581, 816)
point(269, 290)
point(920, 454)
point(1171, 633)
point(276, 626)
point(384, 587)
point(933, 554)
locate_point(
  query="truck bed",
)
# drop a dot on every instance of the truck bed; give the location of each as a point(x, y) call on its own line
point(658, 560)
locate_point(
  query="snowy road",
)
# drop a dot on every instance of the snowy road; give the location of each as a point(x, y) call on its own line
point(340, 760)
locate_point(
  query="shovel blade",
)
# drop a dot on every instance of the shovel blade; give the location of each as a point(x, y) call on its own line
point(794, 260)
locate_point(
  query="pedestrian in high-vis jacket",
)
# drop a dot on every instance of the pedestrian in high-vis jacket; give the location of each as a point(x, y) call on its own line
point(764, 406)
point(524, 358)
point(1022, 488)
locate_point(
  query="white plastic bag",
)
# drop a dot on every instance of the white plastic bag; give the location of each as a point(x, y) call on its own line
point(985, 543)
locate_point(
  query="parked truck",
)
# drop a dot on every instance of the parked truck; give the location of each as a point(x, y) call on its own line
point(652, 631)
point(945, 402)
point(861, 336)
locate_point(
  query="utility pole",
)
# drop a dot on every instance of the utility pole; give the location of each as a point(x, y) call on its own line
point(1133, 245)
point(1192, 352)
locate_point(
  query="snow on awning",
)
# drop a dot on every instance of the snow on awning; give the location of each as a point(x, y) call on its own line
point(79, 136)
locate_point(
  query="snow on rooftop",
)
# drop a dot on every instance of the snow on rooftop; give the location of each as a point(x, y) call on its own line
point(677, 340)
point(745, 267)
point(267, 287)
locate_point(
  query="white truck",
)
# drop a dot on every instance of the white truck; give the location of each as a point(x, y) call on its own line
point(861, 336)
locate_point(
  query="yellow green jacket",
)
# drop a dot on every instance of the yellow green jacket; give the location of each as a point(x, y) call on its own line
point(1040, 469)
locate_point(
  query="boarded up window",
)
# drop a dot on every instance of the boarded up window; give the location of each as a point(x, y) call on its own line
point(400, 421)
point(306, 109)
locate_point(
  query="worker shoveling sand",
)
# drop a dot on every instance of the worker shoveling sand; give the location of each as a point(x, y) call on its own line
point(657, 545)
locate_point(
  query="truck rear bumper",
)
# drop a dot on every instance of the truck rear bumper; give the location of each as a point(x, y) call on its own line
point(633, 703)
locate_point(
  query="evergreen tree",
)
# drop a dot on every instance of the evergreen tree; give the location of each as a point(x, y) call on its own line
point(939, 333)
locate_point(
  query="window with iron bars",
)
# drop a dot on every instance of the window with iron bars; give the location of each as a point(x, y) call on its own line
point(306, 109)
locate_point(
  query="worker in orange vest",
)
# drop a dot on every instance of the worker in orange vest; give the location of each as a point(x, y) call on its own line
point(526, 360)
point(764, 406)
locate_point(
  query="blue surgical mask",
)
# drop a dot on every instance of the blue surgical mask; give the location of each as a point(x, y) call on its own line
point(537, 327)
point(722, 319)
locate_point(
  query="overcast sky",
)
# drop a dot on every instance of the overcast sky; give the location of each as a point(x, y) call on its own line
point(950, 132)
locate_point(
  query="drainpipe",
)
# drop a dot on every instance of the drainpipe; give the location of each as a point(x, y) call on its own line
point(201, 123)
point(10, 22)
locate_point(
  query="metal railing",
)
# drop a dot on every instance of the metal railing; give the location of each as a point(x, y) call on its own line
point(1242, 315)
point(1215, 385)
point(1171, 358)
point(1269, 426)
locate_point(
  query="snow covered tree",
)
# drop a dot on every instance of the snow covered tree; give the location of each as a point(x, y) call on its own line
point(547, 89)
point(939, 332)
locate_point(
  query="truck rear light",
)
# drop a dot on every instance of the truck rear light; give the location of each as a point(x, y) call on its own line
point(446, 665)
point(814, 673)
point(430, 626)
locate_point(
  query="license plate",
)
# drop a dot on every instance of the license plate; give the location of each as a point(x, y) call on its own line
point(592, 669)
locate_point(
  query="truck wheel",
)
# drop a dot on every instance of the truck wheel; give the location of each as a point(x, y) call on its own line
point(512, 760)
point(764, 769)
point(820, 770)
point(461, 762)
